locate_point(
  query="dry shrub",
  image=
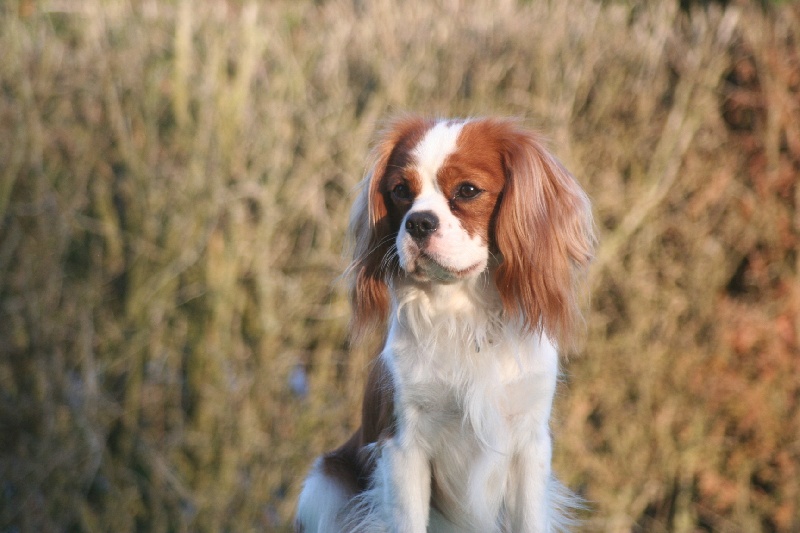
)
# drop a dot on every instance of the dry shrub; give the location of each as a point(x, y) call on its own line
point(683, 414)
point(175, 186)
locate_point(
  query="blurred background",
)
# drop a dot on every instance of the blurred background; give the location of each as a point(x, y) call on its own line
point(175, 179)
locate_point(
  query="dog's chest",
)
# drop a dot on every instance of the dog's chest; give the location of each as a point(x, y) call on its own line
point(458, 390)
point(471, 407)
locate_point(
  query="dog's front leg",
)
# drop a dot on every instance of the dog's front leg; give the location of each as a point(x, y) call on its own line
point(530, 500)
point(407, 486)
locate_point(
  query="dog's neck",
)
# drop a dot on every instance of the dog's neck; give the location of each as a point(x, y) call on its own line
point(467, 312)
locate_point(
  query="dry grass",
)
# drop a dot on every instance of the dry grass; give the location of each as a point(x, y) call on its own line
point(174, 188)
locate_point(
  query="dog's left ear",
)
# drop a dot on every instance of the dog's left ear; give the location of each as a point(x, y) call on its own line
point(371, 231)
point(545, 235)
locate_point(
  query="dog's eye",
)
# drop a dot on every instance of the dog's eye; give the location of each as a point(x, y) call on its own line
point(468, 190)
point(401, 191)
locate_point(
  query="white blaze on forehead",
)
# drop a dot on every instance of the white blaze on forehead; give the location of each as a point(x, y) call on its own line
point(433, 149)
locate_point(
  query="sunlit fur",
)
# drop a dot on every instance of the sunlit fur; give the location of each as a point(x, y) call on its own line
point(455, 421)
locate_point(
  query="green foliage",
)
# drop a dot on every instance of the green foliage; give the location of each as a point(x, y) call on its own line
point(174, 190)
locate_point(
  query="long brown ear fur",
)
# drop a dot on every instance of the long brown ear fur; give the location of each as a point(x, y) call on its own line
point(371, 231)
point(545, 234)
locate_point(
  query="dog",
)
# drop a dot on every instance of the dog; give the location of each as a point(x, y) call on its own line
point(470, 241)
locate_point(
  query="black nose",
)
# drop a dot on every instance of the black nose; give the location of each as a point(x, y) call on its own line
point(421, 224)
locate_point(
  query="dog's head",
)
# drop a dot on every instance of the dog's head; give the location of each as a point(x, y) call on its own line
point(447, 201)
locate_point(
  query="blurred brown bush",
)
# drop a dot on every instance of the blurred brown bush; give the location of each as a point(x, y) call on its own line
point(174, 187)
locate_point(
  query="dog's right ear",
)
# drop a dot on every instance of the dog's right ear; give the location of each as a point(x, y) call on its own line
point(371, 230)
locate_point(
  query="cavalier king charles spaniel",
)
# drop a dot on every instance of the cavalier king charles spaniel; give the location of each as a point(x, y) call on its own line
point(469, 241)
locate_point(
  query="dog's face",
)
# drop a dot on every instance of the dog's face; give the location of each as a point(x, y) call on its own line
point(440, 199)
point(446, 201)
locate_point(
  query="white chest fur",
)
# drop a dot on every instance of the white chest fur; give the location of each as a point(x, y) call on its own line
point(471, 392)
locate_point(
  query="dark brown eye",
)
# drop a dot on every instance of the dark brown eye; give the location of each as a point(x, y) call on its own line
point(468, 190)
point(401, 191)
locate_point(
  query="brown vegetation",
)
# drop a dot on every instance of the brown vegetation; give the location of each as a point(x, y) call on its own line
point(174, 187)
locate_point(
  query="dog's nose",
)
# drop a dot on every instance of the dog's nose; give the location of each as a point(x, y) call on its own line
point(421, 224)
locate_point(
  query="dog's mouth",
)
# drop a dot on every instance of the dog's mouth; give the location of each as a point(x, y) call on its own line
point(427, 267)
